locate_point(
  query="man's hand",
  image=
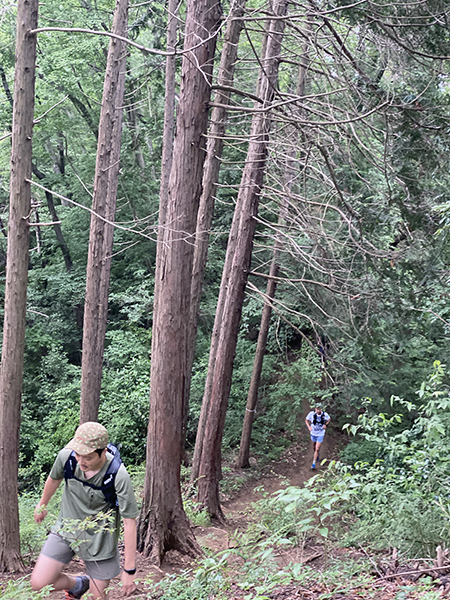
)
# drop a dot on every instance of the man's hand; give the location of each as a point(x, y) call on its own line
point(40, 512)
point(128, 585)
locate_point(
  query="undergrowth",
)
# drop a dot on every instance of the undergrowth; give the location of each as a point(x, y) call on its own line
point(20, 589)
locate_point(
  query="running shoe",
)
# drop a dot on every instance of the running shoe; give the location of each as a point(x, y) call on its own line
point(313, 466)
point(84, 588)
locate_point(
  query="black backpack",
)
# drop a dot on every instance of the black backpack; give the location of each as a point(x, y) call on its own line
point(109, 478)
point(319, 418)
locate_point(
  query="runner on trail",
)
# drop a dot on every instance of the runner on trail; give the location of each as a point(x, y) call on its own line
point(317, 421)
point(96, 481)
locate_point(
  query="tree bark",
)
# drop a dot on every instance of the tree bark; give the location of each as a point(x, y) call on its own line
point(238, 261)
point(11, 373)
point(206, 209)
point(163, 524)
point(168, 128)
point(104, 207)
point(169, 111)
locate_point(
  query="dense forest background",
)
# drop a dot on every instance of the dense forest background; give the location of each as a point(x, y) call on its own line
point(353, 210)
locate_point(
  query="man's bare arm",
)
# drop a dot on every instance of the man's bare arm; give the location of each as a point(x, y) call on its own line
point(129, 563)
point(50, 487)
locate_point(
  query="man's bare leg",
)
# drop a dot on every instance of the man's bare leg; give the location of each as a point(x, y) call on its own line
point(317, 451)
point(47, 571)
point(97, 589)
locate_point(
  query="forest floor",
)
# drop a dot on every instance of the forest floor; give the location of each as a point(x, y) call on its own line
point(293, 468)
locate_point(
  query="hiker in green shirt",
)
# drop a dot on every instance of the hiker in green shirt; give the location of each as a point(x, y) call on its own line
point(96, 483)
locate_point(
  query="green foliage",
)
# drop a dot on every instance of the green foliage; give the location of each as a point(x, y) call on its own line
point(32, 534)
point(51, 405)
point(423, 591)
point(194, 512)
point(403, 499)
point(20, 589)
point(217, 576)
point(49, 417)
point(209, 578)
point(282, 399)
point(295, 515)
point(360, 451)
point(242, 371)
point(125, 392)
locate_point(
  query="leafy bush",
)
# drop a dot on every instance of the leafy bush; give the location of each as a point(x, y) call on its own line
point(20, 589)
point(403, 498)
point(360, 450)
point(32, 535)
point(216, 576)
point(125, 398)
point(195, 513)
point(295, 515)
point(51, 405)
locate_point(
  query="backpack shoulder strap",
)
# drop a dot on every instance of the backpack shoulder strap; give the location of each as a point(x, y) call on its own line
point(69, 466)
point(116, 461)
point(108, 485)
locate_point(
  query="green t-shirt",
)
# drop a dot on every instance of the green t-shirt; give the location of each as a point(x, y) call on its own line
point(81, 501)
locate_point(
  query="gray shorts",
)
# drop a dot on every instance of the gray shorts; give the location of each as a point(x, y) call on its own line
point(57, 548)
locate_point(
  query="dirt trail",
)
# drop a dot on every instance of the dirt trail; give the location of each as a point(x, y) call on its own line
point(293, 469)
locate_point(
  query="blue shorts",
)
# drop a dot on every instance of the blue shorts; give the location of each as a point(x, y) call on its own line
point(318, 438)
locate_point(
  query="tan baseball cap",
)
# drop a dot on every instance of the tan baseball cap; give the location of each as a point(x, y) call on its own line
point(88, 437)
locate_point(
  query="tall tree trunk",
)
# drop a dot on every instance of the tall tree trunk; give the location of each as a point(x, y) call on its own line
point(11, 373)
point(163, 524)
point(104, 207)
point(252, 398)
point(238, 263)
point(210, 178)
point(169, 127)
point(169, 111)
point(244, 450)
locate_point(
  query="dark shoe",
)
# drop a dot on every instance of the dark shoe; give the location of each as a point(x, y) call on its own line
point(85, 586)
